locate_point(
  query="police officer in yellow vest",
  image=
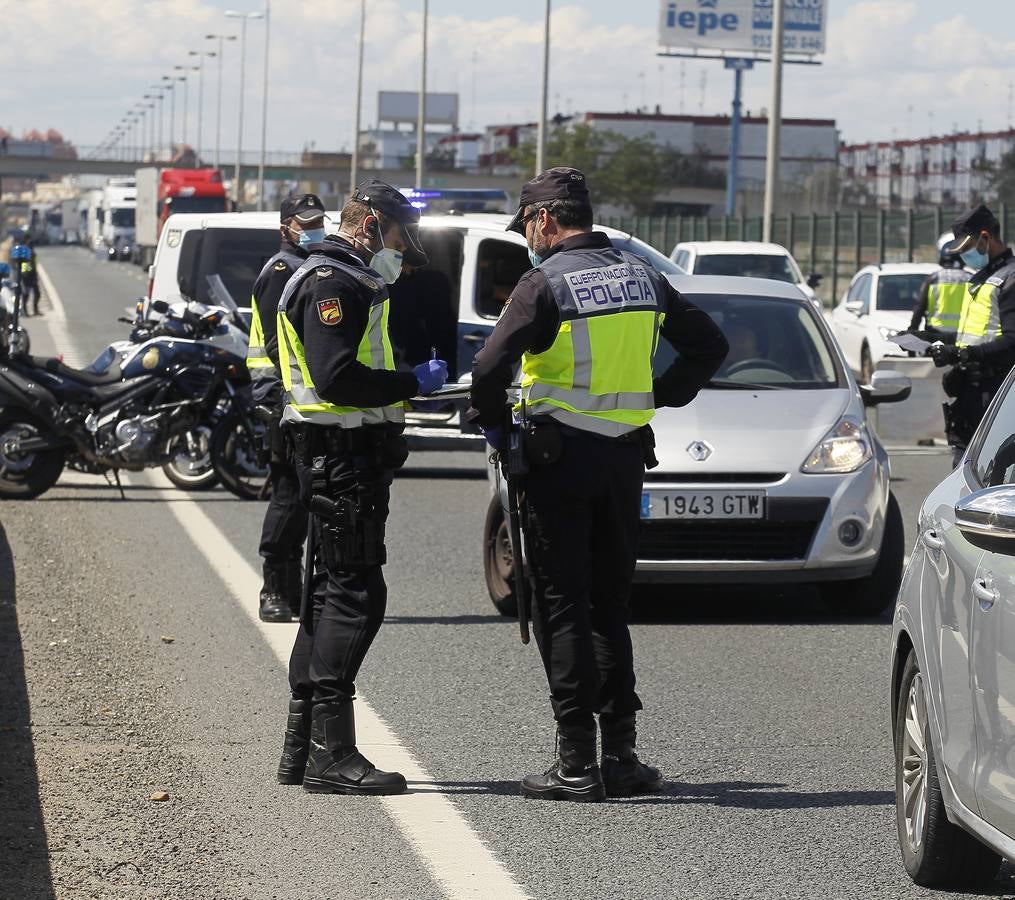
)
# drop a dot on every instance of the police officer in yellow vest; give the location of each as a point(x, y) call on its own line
point(940, 299)
point(28, 271)
point(345, 414)
point(585, 323)
point(285, 520)
point(984, 349)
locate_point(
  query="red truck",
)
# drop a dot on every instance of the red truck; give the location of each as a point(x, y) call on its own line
point(162, 192)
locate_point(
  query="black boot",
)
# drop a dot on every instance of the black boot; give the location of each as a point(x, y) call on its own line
point(623, 773)
point(297, 742)
point(335, 765)
point(273, 606)
point(292, 585)
point(574, 775)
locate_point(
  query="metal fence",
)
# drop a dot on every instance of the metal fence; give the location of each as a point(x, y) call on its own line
point(835, 245)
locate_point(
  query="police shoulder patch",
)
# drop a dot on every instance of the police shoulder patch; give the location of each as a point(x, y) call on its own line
point(330, 311)
point(369, 283)
point(324, 271)
point(280, 266)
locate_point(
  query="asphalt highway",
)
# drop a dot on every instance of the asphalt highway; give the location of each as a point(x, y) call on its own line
point(131, 664)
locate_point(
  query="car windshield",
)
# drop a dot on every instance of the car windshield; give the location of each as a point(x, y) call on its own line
point(899, 292)
point(774, 343)
point(122, 218)
point(659, 262)
point(196, 205)
point(747, 265)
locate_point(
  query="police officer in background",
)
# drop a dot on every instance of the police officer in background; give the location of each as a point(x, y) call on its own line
point(584, 323)
point(345, 413)
point(984, 348)
point(29, 274)
point(939, 302)
point(285, 520)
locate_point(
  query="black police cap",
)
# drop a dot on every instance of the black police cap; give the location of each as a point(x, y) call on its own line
point(381, 197)
point(558, 183)
point(968, 227)
point(304, 208)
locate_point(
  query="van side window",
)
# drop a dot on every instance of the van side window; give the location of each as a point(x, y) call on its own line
point(500, 265)
point(237, 256)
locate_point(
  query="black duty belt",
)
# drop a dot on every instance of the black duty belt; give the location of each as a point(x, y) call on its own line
point(318, 440)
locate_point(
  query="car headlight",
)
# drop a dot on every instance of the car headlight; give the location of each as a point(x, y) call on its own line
point(887, 333)
point(844, 449)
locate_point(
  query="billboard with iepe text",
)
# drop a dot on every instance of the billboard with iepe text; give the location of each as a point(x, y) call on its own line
point(741, 25)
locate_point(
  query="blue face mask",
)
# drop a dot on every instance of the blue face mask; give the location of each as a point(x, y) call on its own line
point(312, 236)
point(534, 258)
point(975, 259)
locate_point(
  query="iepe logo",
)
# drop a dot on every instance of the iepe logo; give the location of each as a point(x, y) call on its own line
point(702, 21)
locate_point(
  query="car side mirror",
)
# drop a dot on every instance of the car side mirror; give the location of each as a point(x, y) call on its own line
point(855, 307)
point(989, 512)
point(814, 279)
point(886, 387)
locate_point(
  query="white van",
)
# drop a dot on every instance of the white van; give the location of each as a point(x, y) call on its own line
point(449, 306)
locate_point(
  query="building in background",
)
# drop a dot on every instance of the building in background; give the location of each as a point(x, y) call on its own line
point(392, 143)
point(952, 170)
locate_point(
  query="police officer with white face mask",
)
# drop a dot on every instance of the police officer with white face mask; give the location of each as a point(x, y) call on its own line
point(344, 411)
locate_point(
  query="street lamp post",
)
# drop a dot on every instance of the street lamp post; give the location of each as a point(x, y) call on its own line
point(421, 114)
point(158, 96)
point(200, 54)
point(264, 108)
point(221, 38)
point(170, 86)
point(244, 18)
point(774, 124)
point(541, 130)
point(354, 167)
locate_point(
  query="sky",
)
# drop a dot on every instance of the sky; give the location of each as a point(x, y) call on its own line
point(893, 68)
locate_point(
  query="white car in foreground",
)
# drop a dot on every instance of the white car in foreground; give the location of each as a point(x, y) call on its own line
point(878, 305)
point(771, 475)
point(744, 259)
point(952, 682)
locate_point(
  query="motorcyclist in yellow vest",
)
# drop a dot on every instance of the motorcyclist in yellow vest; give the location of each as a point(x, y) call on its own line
point(301, 223)
point(984, 349)
point(344, 411)
point(940, 299)
point(585, 323)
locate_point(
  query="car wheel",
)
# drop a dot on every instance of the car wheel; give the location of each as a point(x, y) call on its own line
point(874, 594)
point(866, 365)
point(935, 852)
point(499, 560)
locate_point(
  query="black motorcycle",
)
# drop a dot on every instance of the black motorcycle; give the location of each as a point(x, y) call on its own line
point(122, 412)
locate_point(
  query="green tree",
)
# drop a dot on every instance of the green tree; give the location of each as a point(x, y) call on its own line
point(1002, 178)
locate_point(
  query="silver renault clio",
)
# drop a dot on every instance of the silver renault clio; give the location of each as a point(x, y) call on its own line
point(952, 697)
point(772, 475)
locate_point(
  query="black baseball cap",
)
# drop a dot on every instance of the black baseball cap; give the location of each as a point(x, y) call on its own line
point(558, 183)
point(381, 197)
point(304, 208)
point(968, 227)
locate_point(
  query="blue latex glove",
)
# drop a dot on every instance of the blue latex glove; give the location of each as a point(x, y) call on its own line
point(431, 375)
point(496, 437)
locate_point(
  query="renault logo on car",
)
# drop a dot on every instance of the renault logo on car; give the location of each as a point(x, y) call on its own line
point(699, 451)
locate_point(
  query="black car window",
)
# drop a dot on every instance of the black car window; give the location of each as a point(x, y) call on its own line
point(236, 255)
point(995, 457)
point(499, 266)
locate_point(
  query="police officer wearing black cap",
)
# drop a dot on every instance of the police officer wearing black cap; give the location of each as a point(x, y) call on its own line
point(984, 348)
point(344, 411)
point(285, 520)
point(585, 323)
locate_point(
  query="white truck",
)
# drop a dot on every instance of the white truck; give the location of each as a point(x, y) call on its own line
point(69, 221)
point(119, 200)
point(92, 203)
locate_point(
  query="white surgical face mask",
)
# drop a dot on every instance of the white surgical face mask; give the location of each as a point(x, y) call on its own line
point(386, 262)
point(311, 236)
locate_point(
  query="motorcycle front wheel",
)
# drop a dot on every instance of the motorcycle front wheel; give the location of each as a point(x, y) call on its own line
point(189, 466)
point(25, 474)
point(236, 454)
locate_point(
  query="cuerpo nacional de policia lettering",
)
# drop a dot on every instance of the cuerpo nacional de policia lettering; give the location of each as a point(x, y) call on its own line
point(623, 285)
point(741, 25)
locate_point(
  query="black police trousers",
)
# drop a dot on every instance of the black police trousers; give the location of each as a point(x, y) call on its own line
point(348, 601)
point(583, 518)
point(29, 293)
point(285, 519)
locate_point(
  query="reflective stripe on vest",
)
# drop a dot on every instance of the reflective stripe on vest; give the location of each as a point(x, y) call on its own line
point(258, 361)
point(597, 374)
point(944, 305)
point(304, 404)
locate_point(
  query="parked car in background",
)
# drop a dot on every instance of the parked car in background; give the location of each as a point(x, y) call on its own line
point(877, 305)
point(771, 475)
point(745, 259)
point(952, 698)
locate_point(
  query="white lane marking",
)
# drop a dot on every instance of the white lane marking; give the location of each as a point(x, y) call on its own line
point(57, 324)
point(456, 855)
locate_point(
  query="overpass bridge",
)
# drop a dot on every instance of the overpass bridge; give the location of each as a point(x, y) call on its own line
point(278, 167)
